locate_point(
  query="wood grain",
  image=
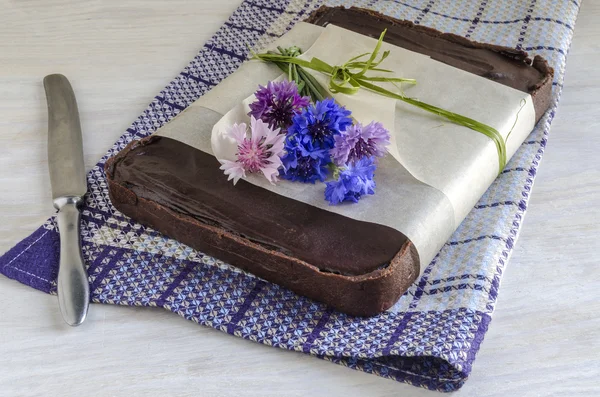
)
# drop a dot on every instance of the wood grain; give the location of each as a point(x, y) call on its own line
point(544, 339)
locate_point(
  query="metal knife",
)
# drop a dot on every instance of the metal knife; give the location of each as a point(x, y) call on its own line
point(67, 176)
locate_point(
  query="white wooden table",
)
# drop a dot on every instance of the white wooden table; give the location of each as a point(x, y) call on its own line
point(545, 335)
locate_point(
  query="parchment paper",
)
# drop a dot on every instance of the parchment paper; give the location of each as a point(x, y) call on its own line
point(437, 170)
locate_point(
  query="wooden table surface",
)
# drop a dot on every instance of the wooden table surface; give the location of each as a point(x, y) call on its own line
point(545, 335)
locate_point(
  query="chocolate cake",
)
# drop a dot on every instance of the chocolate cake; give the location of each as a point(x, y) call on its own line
point(357, 267)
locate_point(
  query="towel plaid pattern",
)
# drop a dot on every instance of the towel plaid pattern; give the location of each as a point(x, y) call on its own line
point(430, 337)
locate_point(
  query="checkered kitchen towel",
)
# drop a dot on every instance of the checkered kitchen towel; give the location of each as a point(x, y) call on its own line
point(430, 337)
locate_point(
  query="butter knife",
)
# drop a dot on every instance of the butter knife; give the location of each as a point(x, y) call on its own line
point(67, 176)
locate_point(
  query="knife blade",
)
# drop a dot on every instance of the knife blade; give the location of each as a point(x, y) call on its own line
point(67, 177)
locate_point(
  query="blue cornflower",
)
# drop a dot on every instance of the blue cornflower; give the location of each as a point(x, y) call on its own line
point(317, 124)
point(304, 165)
point(353, 182)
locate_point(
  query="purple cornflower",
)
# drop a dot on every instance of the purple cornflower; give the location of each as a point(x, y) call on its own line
point(277, 103)
point(353, 182)
point(360, 141)
point(317, 125)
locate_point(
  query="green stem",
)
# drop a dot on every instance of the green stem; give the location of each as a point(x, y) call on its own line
point(315, 89)
point(486, 130)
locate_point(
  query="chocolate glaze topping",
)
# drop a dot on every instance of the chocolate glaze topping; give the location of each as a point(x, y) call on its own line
point(190, 182)
point(505, 65)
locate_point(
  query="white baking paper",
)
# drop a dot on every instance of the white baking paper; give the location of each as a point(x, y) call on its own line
point(437, 170)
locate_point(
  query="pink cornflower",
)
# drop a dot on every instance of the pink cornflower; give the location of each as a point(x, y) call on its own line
point(259, 152)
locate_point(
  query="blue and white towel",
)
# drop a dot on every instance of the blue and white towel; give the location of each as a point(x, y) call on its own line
point(430, 337)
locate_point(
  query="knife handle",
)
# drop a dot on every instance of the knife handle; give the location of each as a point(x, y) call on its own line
point(73, 285)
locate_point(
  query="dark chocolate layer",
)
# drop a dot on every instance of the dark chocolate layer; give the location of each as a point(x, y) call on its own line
point(189, 181)
point(507, 66)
